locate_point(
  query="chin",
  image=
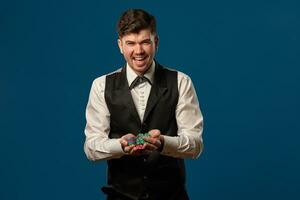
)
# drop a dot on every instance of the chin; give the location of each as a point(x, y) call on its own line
point(142, 68)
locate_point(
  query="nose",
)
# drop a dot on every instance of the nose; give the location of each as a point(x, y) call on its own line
point(139, 49)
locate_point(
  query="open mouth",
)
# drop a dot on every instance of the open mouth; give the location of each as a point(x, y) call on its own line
point(139, 58)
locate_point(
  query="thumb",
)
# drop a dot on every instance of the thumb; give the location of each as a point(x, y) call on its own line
point(154, 132)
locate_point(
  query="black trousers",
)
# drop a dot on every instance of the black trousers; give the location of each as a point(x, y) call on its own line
point(178, 195)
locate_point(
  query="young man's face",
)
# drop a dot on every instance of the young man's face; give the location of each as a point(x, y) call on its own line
point(139, 49)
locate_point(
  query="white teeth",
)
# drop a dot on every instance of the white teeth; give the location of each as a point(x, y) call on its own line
point(139, 58)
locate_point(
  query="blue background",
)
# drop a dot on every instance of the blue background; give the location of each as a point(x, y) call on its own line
point(243, 57)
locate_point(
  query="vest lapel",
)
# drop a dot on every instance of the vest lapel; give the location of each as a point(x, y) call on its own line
point(122, 91)
point(159, 87)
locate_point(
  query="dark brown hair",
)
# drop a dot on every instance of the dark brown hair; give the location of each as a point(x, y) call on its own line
point(135, 20)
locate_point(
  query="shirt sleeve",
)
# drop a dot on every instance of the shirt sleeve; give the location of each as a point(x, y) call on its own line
point(98, 146)
point(189, 142)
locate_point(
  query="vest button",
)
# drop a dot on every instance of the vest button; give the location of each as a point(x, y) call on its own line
point(143, 127)
point(144, 196)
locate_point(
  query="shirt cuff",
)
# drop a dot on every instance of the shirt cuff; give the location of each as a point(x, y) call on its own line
point(170, 145)
point(115, 147)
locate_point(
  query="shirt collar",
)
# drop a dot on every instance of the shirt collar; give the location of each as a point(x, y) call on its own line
point(131, 75)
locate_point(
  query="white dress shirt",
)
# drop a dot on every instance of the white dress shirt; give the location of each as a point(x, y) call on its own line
point(188, 143)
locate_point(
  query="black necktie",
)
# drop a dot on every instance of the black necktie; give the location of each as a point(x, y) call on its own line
point(138, 80)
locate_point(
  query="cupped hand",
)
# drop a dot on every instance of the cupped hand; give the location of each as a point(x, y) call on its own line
point(154, 141)
point(124, 142)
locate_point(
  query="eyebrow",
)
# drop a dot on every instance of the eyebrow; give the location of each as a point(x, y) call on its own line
point(145, 40)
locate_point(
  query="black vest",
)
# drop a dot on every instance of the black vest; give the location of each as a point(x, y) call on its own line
point(134, 175)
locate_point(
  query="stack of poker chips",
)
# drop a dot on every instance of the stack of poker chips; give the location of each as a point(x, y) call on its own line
point(138, 141)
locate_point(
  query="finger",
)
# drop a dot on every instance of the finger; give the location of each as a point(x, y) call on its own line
point(150, 139)
point(154, 141)
point(127, 139)
point(123, 142)
point(150, 147)
point(128, 149)
point(135, 148)
point(154, 132)
point(129, 135)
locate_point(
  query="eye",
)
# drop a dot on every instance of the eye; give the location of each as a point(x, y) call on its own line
point(130, 43)
point(147, 42)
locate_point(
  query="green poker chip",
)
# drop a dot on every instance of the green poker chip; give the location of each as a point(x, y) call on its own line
point(139, 140)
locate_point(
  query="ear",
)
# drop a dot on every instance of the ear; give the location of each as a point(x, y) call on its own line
point(120, 45)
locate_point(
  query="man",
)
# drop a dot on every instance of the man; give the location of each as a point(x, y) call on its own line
point(143, 97)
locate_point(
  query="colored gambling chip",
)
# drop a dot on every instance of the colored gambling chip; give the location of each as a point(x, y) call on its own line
point(138, 141)
point(131, 141)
